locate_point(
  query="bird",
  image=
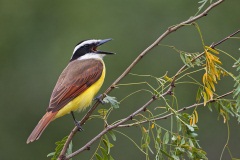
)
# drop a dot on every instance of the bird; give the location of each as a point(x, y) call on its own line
point(77, 85)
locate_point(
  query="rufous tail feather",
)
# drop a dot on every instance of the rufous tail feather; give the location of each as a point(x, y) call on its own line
point(41, 126)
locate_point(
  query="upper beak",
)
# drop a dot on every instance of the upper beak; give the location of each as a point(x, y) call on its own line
point(102, 42)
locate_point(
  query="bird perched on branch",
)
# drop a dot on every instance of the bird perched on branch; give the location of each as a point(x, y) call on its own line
point(77, 85)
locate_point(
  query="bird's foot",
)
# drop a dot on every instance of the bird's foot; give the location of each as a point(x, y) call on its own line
point(78, 125)
point(99, 99)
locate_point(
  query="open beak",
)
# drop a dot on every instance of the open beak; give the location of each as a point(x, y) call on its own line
point(102, 42)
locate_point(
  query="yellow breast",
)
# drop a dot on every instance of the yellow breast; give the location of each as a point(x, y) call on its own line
point(84, 99)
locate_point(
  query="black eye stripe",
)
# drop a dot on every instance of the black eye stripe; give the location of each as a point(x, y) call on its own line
point(87, 48)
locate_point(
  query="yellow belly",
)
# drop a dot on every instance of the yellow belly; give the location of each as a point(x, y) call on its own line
point(84, 100)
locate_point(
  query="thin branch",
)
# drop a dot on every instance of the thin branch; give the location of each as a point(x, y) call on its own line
point(139, 57)
point(231, 35)
point(180, 110)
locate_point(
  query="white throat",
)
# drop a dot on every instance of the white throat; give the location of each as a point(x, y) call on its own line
point(91, 56)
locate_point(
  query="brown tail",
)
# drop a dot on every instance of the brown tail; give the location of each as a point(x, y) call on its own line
point(41, 126)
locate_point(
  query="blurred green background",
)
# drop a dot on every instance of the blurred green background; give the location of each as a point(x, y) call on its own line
point(37, 39)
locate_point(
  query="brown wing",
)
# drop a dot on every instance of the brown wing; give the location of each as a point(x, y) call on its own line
point(75, 79)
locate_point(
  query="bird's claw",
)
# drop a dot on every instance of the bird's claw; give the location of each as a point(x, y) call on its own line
point(99, 99)
point(78, 125)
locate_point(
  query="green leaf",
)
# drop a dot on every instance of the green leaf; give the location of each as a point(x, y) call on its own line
point(182, 141)
point(182, 150)
point(166, 138)
point(50, 154)
point(203, 4)
point(196, 143)
point(107, 143)
point(166, 154)
point(112, 100)
point(199, 94)
point(110, 157)
point(190, 154)
point(103, 112)
point(202, 154)
point(175, 157)
point(179, 125)
point(69, 150)
point(182, 56)
point(188, 61)
point(148, 139)
point(226, 109)
point(193, 135)
point(104, 152)
point(112, 135)
point(190, 142)
point(98, 157)
point(190, 127)
point(159, 133)
point(59, 148)
point(144, 145)
point(209, 106)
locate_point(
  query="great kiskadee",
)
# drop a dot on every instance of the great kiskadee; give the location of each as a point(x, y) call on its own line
point(77, 85)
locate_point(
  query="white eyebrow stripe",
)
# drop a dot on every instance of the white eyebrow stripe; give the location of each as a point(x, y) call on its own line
point(84, 43)
point(91, 56)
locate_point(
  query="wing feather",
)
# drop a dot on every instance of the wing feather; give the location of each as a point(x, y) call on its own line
point(75, 79)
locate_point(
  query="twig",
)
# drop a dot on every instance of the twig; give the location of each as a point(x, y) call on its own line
point(180, 110)
point(139, 57)
point(231, 35)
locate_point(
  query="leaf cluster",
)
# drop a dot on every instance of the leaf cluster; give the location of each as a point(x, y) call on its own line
point(105, 148)
point(59, 147)
point(172, 145)
point(237, 89)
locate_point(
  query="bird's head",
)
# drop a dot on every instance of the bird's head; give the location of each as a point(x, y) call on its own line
point(88, 49)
